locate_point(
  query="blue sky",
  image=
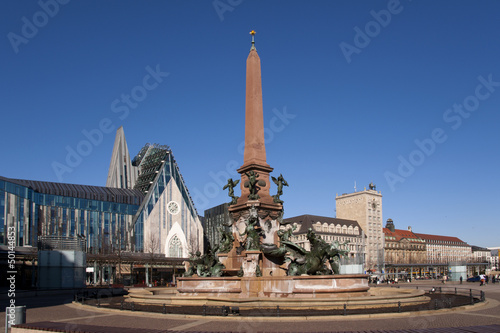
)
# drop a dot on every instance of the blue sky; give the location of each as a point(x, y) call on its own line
point(402, 93)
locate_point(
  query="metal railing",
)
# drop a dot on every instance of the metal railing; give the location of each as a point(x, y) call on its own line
point(61, 243)
point(440, 298)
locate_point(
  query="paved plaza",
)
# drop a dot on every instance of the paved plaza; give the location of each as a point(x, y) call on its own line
point(65, 315)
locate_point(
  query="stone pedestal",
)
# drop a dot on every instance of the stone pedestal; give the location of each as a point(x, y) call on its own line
point(318, 286)
point(250, 263)
point(244, 255)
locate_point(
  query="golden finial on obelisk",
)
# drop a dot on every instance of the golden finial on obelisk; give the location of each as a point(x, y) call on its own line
point(253, 40)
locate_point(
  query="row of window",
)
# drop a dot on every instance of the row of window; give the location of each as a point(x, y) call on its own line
point(408, 246)
point(332, 228)
point(436, 241)
point(410, 239)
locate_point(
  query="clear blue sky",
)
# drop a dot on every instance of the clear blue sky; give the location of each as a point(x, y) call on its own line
point(348, 86)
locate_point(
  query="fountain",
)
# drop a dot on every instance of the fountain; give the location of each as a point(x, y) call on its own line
point(256, 263)
point(258, 257)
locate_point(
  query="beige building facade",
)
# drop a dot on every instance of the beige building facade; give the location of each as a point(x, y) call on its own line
point(365, 207)
point(346, 232)
point(445, 249)
point(405, 253)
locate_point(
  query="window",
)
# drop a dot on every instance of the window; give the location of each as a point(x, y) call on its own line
point(175, 247)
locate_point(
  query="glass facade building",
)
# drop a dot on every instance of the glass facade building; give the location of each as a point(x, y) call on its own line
point(149, 211)
point(103, 216)
point(109, 219)
point(215, 218)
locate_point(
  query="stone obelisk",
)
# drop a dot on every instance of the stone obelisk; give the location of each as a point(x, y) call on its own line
point(255, 213)
point(254, 158)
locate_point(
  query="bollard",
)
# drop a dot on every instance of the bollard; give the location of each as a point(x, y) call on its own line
point(345, 309)
point(399, 306)
point(204, 310)
point(435, 304)
point(98, 302)
point(14, 316)
point(455, 291)
point(121, 305)
point(482, 296)
point(277, 310)
point(164, 309)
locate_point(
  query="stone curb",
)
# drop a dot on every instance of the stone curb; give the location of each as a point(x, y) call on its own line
point(482, 305)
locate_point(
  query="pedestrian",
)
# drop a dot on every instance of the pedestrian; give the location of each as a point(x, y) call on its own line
point(461, 279)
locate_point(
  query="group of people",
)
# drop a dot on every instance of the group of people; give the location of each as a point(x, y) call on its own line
point(376, 280)
point(484, 279)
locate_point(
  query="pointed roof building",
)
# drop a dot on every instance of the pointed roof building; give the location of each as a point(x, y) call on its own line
point(121, 173)
point(166, 220)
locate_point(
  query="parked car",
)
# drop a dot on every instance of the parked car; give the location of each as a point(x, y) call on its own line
point(476, 278)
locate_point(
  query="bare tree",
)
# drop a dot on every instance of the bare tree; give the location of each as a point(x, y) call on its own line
point(193, 243)
point(118, 251)
point(151, 247)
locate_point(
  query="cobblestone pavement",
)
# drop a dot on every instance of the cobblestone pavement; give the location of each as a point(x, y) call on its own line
point(58, 309)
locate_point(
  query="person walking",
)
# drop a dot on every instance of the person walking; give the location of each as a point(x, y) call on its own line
point(461, 279)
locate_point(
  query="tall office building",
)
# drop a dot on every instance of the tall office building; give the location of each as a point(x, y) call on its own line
point(365, 207)
point(216, 218)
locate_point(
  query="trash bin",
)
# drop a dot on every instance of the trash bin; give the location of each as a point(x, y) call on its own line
point(14, 315)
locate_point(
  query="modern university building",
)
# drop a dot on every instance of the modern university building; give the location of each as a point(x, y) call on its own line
point(144, 208)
